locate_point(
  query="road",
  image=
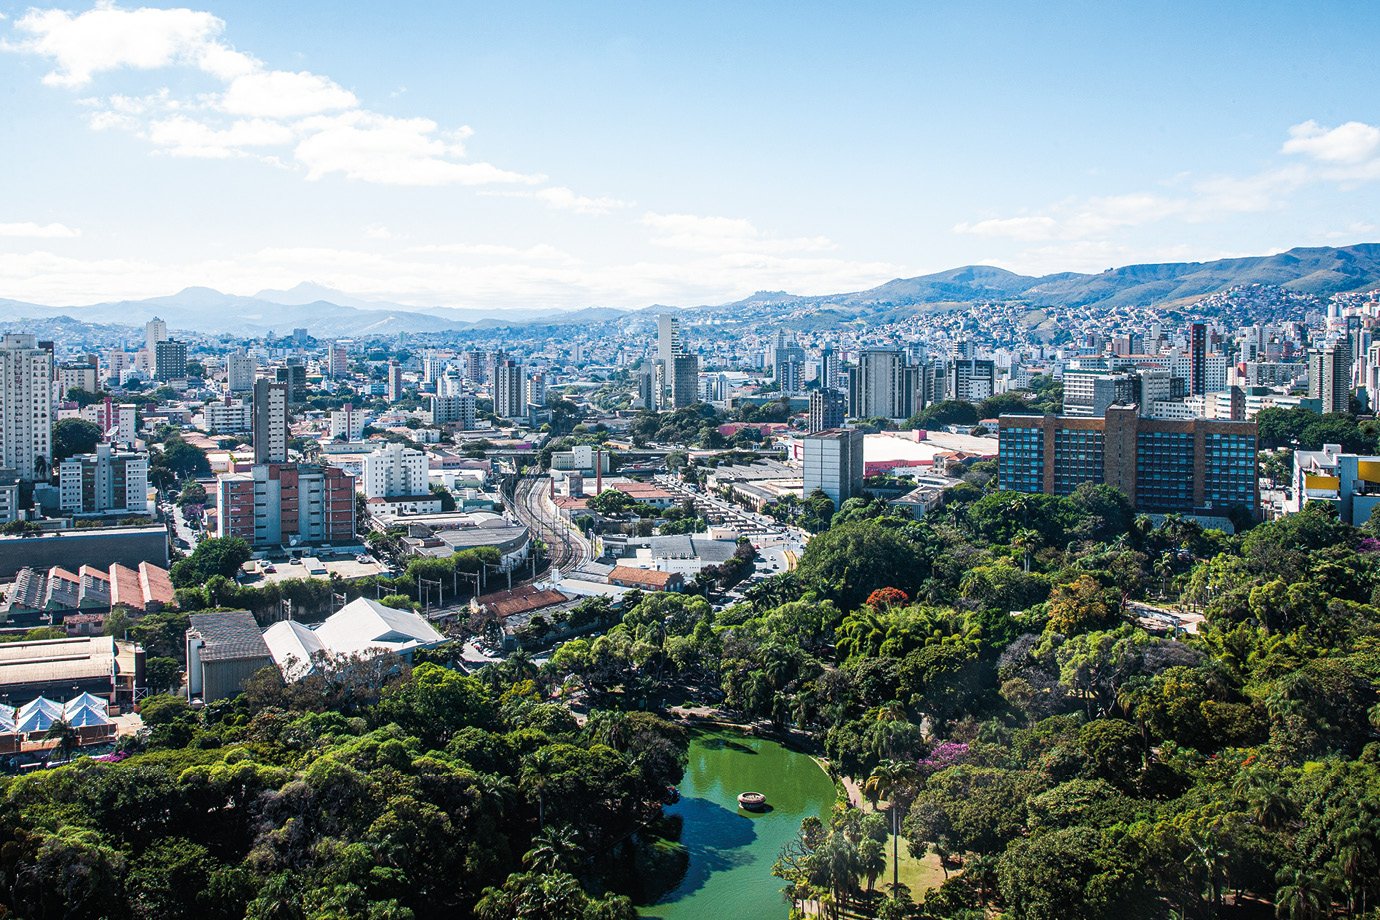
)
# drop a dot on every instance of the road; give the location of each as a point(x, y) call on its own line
point(179, 526)
point(568, 549)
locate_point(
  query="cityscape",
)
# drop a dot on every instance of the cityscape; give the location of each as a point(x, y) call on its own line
point(559, 585)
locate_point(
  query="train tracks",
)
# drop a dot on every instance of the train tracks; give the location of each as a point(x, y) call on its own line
point(566, 549)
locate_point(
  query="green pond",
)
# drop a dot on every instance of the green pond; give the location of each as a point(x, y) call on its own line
point(731, 851)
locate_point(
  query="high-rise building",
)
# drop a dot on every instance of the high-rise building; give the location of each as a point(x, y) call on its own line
point(155, 331)
point(170, 360)
point(972, 379)
point(347, 423)
point(339, 360)
point(833, 463)
point(293, 374)
point(116, 363)
point(685, 381)
point(1189, 466)
point(104, 482)
point(395, 381)
point(292, 504)
point(476, 362)
point(1197, 359)
point(26, 406)
point(829, 368)
point(395, 471)
point(536, 390)
point(1329, 376)
point(668, 343)
point(78, 376)
point(270, 422)
point(508, 385)
point(456, 409)
point(240, 368)
point(828, 408)
point(431, 365)
point(878, 385)
point(790, 375)
point(646, 386)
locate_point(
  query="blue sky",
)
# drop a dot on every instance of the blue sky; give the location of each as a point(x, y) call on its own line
point(566, 155)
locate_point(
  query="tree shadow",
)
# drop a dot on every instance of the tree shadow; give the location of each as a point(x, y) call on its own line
point(721, 839)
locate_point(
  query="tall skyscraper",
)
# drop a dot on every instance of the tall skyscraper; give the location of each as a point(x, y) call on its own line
point(395, 381)
point(879, 385)
point(509, 398)
point(170, 360)
point(155, 331)
point(685, 381)
point(1329, 376)
point(26, 406)
point(668, 343)
point(827, 410)
point(833, 463)
point(270, 422)
point(1197, 359)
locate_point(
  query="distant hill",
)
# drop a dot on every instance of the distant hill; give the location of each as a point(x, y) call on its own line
point(317, 309)
point(326, 312)
point(1320, 270)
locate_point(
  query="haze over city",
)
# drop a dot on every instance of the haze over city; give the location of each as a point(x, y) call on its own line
point(549, 155)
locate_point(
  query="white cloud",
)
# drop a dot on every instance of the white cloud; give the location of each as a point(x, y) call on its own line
point(378, 232)
point(694, 233)
point(564, 199)
point(1350, 143)
point(108, 38)
point(283, 94)
point(182, 136)
point(314, 121)
point(392, 151)
point(1039, 227)
point(31, 230)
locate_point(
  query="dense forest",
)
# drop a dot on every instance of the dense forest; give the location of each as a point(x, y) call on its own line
point(980, 675)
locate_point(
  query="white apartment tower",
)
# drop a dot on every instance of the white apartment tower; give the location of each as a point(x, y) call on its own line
point(240, 367)
point(26, 406)
point(395, 471)
point(155, 331)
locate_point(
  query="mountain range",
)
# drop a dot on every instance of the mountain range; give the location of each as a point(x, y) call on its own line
point(326, 312)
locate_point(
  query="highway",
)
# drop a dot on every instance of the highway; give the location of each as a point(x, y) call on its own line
point(567, 548)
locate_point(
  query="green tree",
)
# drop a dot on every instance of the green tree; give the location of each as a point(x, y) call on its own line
point(72, 436)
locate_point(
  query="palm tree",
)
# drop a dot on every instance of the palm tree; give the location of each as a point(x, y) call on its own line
point(552, 849)
point(1300, 896)
point(889, 779)
point(537, 775)
point(65, 735)
point(1024, 542)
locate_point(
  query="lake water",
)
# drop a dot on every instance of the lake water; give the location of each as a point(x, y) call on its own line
point(731, 851)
